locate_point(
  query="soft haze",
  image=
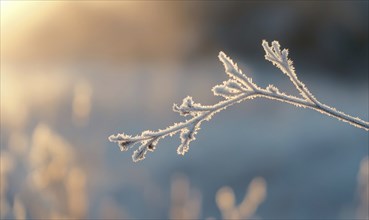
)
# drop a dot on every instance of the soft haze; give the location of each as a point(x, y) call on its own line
point(72, 73)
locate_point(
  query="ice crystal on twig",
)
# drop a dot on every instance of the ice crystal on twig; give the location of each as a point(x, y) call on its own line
point(189, 107)
point(235, 90)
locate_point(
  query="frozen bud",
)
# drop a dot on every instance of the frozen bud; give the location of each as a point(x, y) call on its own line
point(151, 146)
point(119, 137)
point(221, 90)
point(125, 145)
point(139, 154)
point(273, 89)
point(186, 107)
point(233, 85)
point(276, 47)
point(188, 102)
point(285, 55)
point(186, 136)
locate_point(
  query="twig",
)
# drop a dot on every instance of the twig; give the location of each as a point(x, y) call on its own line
point(235, 90)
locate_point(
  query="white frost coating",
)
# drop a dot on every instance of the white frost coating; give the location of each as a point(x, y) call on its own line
point(140, 153)
point(280, 59)
point(226, 92)
point(234, 72)
point(189, 107)
point(237, 89)
point(272, 89)
point(232, 84)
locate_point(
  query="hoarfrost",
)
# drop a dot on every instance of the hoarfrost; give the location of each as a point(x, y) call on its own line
point(235, 90)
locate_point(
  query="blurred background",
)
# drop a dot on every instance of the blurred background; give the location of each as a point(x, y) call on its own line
point(75, 72)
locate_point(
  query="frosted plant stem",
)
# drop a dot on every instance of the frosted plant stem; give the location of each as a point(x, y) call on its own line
point(236, 89)
point(357, 122)
point(179, 126)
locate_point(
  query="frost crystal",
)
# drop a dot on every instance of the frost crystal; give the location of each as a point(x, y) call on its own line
point(226, 92)
point(272, 89)
point(139, 154)
point(235, 90)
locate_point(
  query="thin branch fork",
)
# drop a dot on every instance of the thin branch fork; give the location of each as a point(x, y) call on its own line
point(235, 90)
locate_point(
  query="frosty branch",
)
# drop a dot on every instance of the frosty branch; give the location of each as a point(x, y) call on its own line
point(236, 89)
